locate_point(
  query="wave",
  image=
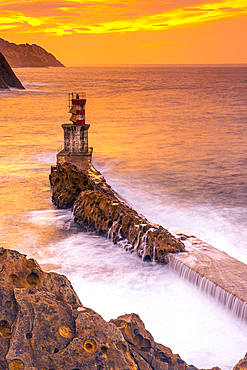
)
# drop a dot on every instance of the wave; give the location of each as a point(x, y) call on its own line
point(223, 227)
point(99, 82)
point(46, 158)
point(61, 218)
point(28, 83)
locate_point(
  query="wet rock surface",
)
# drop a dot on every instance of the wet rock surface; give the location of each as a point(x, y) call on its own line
point(242, 364)
point(35, 308)
point(96, 207)
point(124, 226)
point(147, 353)
point(44, 326)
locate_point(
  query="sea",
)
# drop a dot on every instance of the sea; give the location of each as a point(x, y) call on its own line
point(171, 140)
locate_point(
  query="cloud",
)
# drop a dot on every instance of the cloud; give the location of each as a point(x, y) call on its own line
point(198, 10)
point(155, 44)
point(231, 10)
point(161, 25)
point(82, 29)
point(98, 17)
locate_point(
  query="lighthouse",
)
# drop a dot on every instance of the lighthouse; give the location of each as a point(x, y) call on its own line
point(76, 150)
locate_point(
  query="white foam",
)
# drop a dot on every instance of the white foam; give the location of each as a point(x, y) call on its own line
point(114, 282)
point(222, 227)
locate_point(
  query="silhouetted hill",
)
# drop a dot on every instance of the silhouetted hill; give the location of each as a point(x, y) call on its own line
point(7, 76)
point(25, 55)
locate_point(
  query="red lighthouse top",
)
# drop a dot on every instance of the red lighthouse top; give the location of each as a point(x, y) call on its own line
point(77, 101)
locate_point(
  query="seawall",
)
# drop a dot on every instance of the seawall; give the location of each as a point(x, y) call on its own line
point(213, 271)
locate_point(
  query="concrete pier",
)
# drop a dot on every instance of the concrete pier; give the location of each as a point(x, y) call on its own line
point(213, 271)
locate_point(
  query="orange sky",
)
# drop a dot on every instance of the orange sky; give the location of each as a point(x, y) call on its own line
point(130, 31)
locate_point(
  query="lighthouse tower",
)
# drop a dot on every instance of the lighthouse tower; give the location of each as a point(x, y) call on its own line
point(76, 150)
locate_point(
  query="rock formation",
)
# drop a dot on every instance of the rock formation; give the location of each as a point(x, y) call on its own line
point(7, 76)
point(96, 207)
point(242, 364)
point(25, 55)
point(43, 325)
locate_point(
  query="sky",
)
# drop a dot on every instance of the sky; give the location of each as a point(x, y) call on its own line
point(79, 32)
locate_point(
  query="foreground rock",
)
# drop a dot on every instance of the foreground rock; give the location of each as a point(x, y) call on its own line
point(98, 208)
point(25, 55)
point(44, 326)
point(7, 76)
point(242, 364)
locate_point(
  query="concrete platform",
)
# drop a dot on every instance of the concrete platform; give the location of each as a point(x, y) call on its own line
point(213, 271)
point(81, 160)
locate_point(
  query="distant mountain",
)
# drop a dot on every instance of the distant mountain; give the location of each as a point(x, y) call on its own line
point(25, 55)
point(7, 76)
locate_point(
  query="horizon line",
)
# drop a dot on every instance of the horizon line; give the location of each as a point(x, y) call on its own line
point(156, 64)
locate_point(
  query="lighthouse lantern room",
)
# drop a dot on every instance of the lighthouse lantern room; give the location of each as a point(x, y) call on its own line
point(77, 102)
point(76, 150)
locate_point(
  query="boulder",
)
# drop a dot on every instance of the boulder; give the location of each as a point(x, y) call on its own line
point(68, 182)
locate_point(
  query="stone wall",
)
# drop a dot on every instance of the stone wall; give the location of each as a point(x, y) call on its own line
point(75, 138)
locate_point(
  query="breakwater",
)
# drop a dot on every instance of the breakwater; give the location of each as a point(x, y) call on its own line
point(97, 207)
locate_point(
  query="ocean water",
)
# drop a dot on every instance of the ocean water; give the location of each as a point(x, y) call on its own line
point(170, 140)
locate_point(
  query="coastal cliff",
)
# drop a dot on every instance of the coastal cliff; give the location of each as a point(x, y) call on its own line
point(43, 325)
point(97, 207)
point(7, 76)
point(26, 55)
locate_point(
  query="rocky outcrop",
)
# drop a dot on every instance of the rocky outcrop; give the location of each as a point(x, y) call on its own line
point(96, 212)
point(7, 76)
point(242, 364)
point(43, 325)
point(25, 55)
point(96, 207)
point(36, 312)
point(147, 353)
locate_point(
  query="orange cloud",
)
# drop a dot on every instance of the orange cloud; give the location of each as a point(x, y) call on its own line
point(98, 17)
point(130, 31)
point(155, 44)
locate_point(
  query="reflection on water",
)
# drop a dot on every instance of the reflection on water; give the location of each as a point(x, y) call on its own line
point(172, 142)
